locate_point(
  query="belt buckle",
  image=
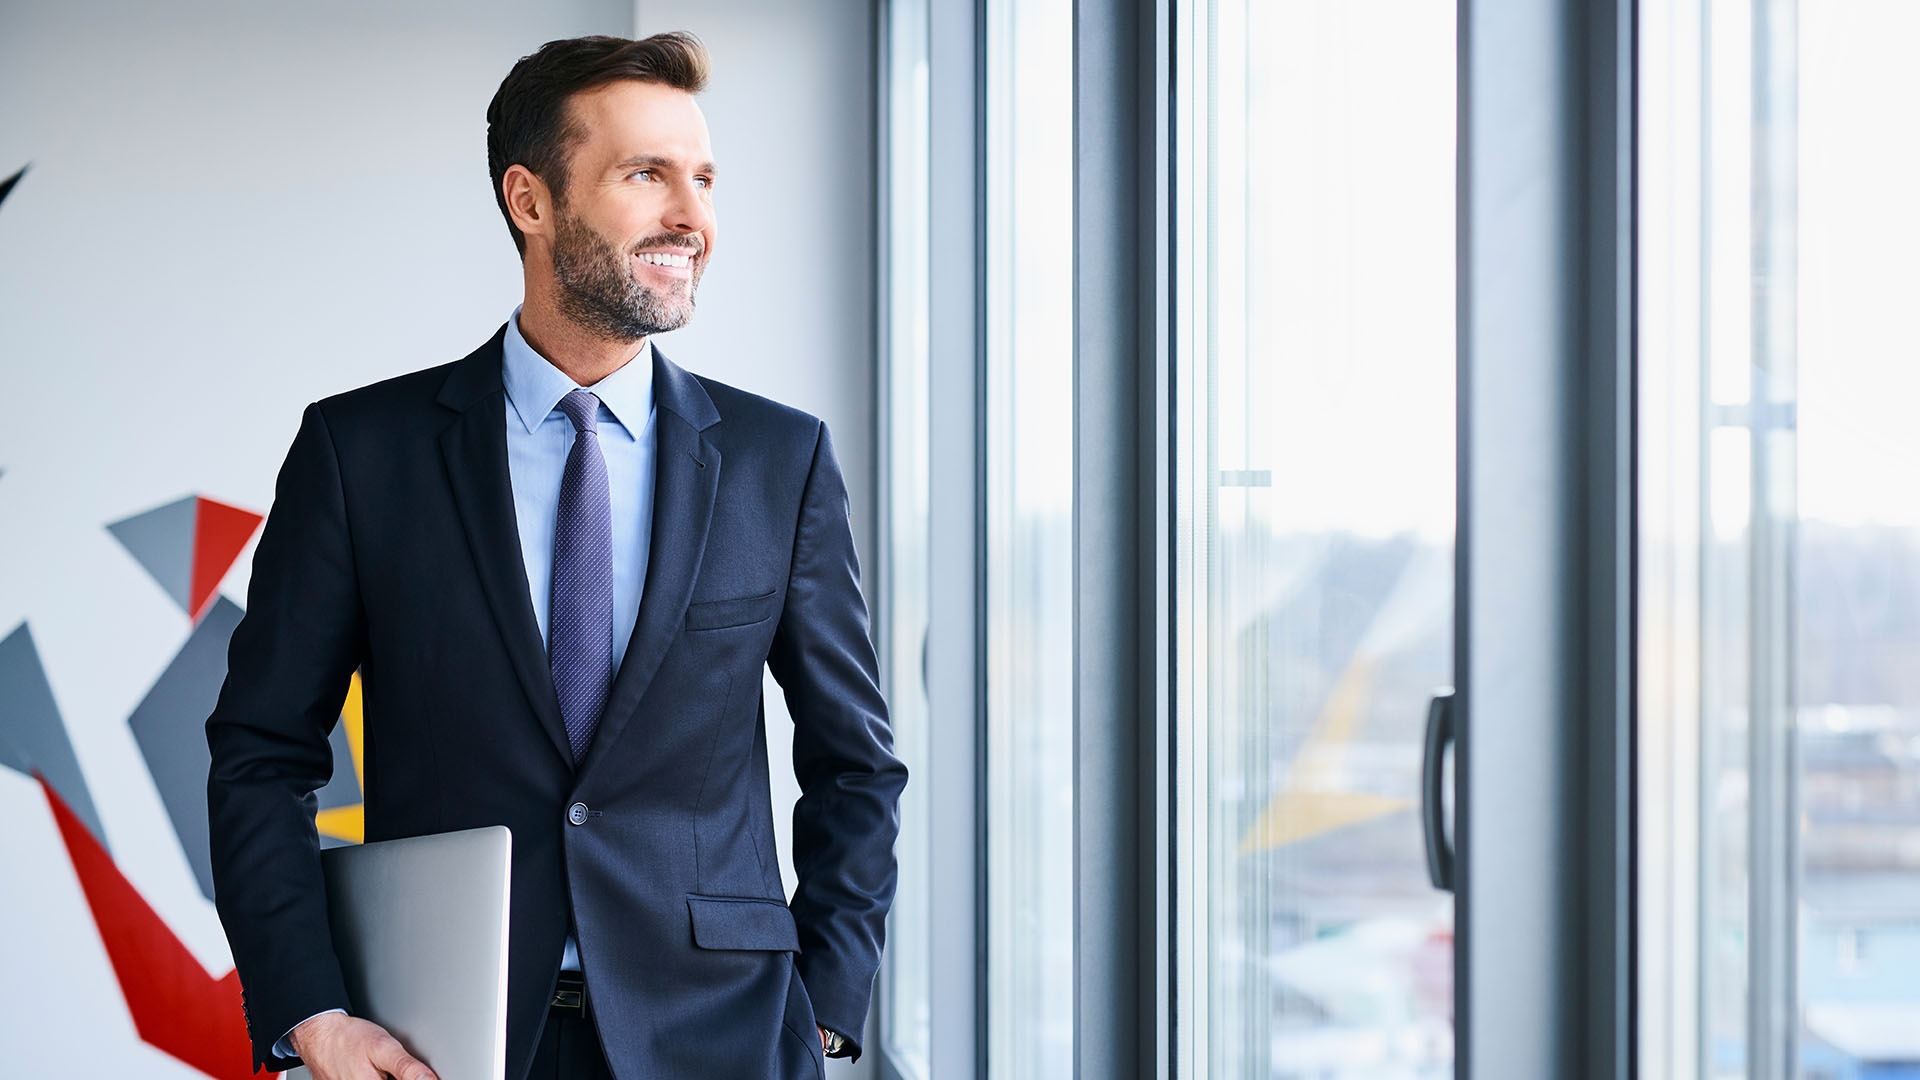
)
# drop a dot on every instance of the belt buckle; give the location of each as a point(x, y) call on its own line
point(570, 993)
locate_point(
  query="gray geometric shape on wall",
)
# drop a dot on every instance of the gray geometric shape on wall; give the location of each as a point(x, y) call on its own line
point(161, 540)
point(344, 788)
point(171, 727)
point(32, 736)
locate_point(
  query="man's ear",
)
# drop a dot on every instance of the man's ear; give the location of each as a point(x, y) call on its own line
point(529, 202)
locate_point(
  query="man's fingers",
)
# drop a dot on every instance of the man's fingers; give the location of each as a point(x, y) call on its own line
point(393, 1060)
point(411, 1068)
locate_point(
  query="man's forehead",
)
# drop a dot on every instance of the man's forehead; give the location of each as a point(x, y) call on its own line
point(630, 121)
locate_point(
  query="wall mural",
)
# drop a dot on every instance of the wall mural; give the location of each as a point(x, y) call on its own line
point(187, 547)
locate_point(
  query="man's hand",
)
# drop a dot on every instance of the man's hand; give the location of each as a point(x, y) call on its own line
point(336, 1046)
point(825, 1039)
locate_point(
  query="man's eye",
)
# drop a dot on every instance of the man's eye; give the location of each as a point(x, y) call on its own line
point(639, 172)
point(704, 181)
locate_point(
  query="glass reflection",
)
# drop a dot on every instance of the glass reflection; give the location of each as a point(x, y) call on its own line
point(907, 551)
point(1781, 723)
point(1029, 542)
point(1317, 504)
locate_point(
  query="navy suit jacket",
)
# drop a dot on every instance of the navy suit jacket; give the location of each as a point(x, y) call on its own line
point(391, 549)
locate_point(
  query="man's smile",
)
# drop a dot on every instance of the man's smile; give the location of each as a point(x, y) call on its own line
point(673, 265)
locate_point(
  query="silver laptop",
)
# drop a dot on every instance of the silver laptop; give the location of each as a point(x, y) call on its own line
point(420, 926)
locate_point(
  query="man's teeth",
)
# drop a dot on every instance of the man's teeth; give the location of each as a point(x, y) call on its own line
point(659, 258)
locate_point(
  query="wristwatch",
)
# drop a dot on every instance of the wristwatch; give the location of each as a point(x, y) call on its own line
point(835, 1041)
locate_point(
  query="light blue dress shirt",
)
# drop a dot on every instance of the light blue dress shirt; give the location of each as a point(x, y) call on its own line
point(538, 440)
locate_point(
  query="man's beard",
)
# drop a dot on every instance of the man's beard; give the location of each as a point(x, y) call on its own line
point(599, 293)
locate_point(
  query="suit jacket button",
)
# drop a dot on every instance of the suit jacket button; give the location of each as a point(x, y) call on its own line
point(577, 813)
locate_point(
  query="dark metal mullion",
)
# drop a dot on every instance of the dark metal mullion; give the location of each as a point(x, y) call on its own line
point(982, 902)
point(1121, 552)
point(1606, 490)
point(1158, 640)
point(1544, 645)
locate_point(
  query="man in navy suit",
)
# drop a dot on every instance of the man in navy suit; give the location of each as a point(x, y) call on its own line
point(559, 565)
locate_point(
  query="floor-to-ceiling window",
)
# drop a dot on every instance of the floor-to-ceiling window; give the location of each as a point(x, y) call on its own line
point(1780, 627)
point(907, 501)
point(1777, 573)
point(1029, 536)
point(1314, 358)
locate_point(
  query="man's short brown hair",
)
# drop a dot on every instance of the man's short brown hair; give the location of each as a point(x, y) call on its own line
point(528, 122)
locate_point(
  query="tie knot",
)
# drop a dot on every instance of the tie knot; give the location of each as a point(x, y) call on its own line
point(582, 408)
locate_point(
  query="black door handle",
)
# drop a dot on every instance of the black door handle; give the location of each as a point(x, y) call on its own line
point(1440, 733)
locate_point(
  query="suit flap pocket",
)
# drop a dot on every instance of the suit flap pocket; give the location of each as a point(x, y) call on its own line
point(742, 922)
point(718, 614)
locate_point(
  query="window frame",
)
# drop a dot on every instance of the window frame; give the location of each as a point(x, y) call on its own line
point(1545, 967)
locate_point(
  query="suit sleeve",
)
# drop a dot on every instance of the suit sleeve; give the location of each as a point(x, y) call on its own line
point(847, 818)
point(288, 667)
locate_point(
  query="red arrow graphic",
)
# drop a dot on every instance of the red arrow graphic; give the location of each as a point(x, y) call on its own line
point(177, 1007)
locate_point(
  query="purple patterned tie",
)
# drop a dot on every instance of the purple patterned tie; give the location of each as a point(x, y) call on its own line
point(580, 612)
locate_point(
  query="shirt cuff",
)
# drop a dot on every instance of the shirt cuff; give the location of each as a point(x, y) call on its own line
point(284, 1048)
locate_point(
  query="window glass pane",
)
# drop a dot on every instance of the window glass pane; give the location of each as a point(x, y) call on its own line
point(1855, 593)
point(1780, 592)
point(1316, 533)
point(908, 1015)
point(1029, 554)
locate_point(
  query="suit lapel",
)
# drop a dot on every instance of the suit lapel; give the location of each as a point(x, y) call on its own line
point(475, 449)
point(686, 479)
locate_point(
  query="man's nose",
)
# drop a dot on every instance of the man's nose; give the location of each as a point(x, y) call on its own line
point(688, 212)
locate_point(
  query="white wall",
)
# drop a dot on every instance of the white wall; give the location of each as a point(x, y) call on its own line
point(236, 208)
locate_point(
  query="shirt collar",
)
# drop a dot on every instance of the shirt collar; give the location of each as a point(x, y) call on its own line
point(534, 386)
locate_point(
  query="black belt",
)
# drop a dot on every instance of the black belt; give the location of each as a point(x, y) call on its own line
point(570, 992)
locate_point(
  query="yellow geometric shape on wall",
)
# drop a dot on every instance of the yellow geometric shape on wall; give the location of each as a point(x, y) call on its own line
point(349, 823)
point(1311, 802)
point(356, 734)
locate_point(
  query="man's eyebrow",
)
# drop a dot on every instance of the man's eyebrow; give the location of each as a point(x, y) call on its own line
point(658, 161)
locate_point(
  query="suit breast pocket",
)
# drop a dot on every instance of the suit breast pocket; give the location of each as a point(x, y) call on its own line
point(741, 611)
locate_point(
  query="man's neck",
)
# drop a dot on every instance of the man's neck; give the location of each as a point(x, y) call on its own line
point(585, 358)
